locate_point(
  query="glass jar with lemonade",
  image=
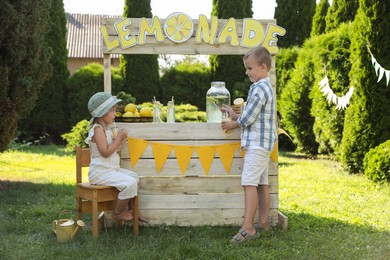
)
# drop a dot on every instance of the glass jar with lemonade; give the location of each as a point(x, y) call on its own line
point(215, 97)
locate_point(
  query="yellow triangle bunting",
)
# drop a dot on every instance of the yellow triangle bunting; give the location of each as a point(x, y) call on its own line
point(226, 154)
point(136, 149)
point(183, 156)
point(274, 153)
point(206, 156)
point(161, 153)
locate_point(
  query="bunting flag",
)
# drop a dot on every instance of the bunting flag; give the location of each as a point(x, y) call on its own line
point(160, 152)
point(226, 153)
point(379, 70)
point(136, 149)
point(340, 102)
point(274, 153)
point(183, 156)
point(206, 156)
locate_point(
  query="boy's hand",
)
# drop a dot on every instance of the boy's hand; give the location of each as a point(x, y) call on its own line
point(230, 111)
point(229, 125)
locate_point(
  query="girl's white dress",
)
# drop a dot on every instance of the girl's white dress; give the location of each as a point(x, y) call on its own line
point(107, 171)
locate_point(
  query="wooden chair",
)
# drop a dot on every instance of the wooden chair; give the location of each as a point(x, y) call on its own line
point(95, 198)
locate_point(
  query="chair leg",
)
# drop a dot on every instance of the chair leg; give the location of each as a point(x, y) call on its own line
point(135, 216)
point(79, 208)
point(95, 220)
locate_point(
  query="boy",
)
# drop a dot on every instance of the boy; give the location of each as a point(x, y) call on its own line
point(258, 137)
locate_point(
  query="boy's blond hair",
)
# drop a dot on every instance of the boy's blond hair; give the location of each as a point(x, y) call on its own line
point(261, 54)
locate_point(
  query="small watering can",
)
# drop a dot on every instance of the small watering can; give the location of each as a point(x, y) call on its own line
point(65, 229)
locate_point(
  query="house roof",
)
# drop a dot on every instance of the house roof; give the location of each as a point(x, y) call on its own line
point(84, 39)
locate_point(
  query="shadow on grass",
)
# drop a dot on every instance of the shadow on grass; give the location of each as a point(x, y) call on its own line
point(28, 209)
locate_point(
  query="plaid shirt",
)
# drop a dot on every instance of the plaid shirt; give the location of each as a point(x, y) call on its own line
point(258, 119)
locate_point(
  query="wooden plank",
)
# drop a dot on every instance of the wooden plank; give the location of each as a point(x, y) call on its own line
point(282, 221)
point(148, 153)
point(168, 47)
point(195, 185)
point(147, 167)
point(198, 217)
point(200, 201)
point(179, 131)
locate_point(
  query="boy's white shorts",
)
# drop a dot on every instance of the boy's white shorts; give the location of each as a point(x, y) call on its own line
point(255, 171)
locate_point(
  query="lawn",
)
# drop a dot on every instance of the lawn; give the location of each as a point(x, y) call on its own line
point(332, 215)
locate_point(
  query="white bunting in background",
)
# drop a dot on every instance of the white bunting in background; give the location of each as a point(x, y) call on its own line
point(331, 97)
point(379, 70)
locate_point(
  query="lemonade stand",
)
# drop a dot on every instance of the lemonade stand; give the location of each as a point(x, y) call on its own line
point(190, 172)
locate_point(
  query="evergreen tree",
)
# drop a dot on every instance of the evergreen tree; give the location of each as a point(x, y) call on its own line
point(367, 119)
point(319, 24)
point(140, 71)
point(229, 68)
point(50, 113)
point(296, 17)
point(24, 61)
point(341, 11)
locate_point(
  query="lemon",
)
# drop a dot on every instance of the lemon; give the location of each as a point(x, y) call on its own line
point(178, 27)
point(130, 108)
point(136, 114)
point(238, 102)
point(118, 114)
point(127, 114)
point(145, 112)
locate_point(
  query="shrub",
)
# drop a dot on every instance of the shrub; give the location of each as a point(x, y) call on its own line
point(76, 136)
point(188, 82)
point(83, 84)
point(295, 102)
point(376, 163)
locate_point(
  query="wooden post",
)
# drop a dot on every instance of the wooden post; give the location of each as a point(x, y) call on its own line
point(107, 72)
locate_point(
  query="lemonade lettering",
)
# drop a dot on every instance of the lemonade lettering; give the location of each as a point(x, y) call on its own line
point(178, 28)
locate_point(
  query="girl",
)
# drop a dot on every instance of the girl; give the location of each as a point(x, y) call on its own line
point(104, 143)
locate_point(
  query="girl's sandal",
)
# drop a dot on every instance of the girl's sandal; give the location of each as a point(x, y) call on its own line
point(243, 236)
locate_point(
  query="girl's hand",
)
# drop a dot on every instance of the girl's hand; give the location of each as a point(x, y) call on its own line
point(122, 135)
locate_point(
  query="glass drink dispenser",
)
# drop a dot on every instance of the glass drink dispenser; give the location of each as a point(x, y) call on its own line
point(215, 97)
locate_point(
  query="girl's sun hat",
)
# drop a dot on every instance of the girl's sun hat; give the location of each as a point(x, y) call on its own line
point(100, 103)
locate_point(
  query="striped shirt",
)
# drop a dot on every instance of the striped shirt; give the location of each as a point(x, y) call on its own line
point(258, 119)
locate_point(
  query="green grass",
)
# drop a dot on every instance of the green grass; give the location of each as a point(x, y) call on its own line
point(332, 215)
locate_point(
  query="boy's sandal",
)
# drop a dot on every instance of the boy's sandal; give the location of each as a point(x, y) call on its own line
point(258, 228)
point(243, 236)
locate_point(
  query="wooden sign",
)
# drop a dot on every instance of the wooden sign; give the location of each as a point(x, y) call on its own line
point(179, 34)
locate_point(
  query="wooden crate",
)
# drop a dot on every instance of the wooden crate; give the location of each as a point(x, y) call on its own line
point(193, 198)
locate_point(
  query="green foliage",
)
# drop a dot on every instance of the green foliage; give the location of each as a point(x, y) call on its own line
point(76, 136)
point(24, 61)
point(126, 98)
point(332, 53)
point(83, 84)
point(341, 11)
point(229, 68)
point(295, 102)
point(188, 82)
point(376, 163)
point(50, 113)
point(140, 71)
point(368, 116)
point(319, 24)
point(285, 60)
point(296, 17)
